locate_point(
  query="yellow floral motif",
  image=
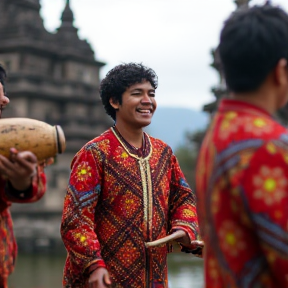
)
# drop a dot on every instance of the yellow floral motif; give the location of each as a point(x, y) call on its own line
point(128, 205)
point(231, 115)
point(124, 155)
point(257, 126)
point(271, 148)
point(227, 128)
point(270, 184)
point(84, 171)
point(104, 145)
point(259, 122)
point(225, 125)
point(232, 238)
point(188, 213)
point(129, 201)
point(81, 237)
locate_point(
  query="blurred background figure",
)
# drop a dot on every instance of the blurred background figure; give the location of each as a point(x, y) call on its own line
point(21, 181)
point(242, 171)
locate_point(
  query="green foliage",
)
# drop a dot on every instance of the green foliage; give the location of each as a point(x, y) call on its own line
point(187, 159)
point(187, 156)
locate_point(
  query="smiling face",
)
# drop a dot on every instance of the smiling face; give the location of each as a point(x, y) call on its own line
point(138, 106)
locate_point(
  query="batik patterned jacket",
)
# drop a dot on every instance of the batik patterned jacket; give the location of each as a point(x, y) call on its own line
point(8, 247)
point(116, 201)
point(242, 196)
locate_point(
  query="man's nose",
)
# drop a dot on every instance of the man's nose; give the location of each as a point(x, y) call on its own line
point(4, 101)
point(146, 99)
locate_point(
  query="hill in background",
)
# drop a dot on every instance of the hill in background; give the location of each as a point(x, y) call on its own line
point(171, 124)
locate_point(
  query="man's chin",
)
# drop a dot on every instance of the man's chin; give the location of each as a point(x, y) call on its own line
point(144, 124)
point(141, 123)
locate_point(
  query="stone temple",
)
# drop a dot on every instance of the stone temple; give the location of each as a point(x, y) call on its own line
point(52, 77)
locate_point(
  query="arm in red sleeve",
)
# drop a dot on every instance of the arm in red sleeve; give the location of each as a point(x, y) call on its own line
point(32, 194)
point(182, 200)
point(78, 219)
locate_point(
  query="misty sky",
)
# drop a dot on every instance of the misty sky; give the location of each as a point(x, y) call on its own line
point(172, 37)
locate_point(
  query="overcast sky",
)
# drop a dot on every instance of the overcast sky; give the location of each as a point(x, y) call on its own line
point(172, 37)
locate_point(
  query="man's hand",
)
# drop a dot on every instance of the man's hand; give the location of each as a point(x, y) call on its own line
point(185, 240)
point(19, 168)
point(99, 278)
point(195, 247)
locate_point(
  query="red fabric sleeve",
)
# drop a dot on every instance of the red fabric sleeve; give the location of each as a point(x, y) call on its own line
point(266, 192)
point(78, 219)
point(183, 213)
point(33, 194)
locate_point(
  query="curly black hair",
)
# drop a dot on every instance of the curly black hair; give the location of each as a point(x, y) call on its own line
point(119, 79)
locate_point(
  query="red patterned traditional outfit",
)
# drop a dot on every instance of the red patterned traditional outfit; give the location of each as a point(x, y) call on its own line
point(8, 246)
point(242, 193)
point(117, 199)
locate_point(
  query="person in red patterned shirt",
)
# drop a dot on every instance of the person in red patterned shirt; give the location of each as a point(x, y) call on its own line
point(242, 169)
point(125, 189)
point(21, 181)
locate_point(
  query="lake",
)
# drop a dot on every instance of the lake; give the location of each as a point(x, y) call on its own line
point(45, 271)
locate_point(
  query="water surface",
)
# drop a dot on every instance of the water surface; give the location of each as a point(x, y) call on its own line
point(45, 271)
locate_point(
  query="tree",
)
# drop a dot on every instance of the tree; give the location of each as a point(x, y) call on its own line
point(187, 155)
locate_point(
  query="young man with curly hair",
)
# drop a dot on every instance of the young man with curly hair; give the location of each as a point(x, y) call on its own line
point(21, 181)
point(126, 188)
point(242, 171)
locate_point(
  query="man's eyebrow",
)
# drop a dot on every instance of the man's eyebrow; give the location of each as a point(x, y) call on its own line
point(141, 89)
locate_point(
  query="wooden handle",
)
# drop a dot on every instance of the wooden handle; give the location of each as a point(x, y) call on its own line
point(173, 236)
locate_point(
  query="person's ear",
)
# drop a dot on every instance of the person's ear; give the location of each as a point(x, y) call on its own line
point(114, 104)
point(281, 72)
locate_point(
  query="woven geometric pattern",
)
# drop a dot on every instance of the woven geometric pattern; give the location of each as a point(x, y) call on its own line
point(116, 201)
point(242, 192)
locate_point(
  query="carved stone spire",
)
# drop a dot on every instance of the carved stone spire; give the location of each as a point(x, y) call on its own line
point(66, 29)
point(67, 15)
point(67, 36)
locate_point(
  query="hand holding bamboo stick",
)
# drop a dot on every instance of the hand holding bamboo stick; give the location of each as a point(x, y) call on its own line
point(164, 240)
